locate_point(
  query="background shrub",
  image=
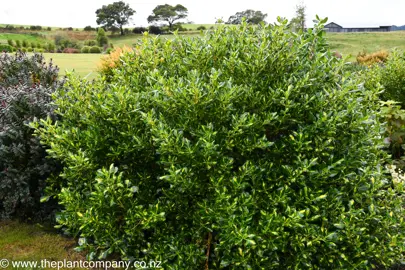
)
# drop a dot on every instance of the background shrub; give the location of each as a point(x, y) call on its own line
point(89, 28)
point(86, 49)
point(102, 39)
point(62, 43)
point(6, 48)
point(155, 30)
point(392, 78)
point(90, 42)
point(112, 61)
point(95, 49)
point(50, 47)
point(179, 27)
point(139, 30)
point(24, 43)
point(250, 148)
point(367, 59)
point(29, 49)
point(36, 27)
point(10, 42)
point(18, 44)
point(202, 27)
point(26, 84)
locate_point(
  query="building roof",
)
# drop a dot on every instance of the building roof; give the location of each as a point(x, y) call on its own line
point(335, 25)
point(331, 24)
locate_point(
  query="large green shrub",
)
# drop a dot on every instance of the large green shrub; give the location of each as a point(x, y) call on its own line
point(85, 49)
point(95, 49)
point(26, 85)
point(5, 48)
point(102, 39)
point(249, 148)
point(90, 43)
point(392, 78)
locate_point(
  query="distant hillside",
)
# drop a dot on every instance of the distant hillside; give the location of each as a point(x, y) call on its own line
point(397, 28)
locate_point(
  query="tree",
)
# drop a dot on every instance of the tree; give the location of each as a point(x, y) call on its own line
point(89, 28)
point(219, 20)
point(252, 16)
point(102, 39)
point(168, 13)
point(298, 22)
point(116, 14)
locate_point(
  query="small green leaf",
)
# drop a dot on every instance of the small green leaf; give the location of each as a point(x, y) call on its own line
point(44, 199)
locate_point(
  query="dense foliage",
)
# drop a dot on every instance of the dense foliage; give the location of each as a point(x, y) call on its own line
point(102, 39)
point(112, 62)
point(369, 59)
point(26, 84)
point(390, 75)
point(249, 15)
point(250, 148)
point(116, 15)
point(167, 13)
point(392, 78)
point(6, 48)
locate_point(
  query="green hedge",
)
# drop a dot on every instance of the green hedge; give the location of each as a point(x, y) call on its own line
point(248, 148)
point(85, 49)
point(6, 48)
point(95, 49)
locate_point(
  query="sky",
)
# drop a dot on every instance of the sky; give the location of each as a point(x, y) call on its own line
point(80, 13)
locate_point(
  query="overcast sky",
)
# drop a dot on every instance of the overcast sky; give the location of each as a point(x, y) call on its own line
point(79, 13)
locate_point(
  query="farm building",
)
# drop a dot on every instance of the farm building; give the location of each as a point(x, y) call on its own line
point(334, 27)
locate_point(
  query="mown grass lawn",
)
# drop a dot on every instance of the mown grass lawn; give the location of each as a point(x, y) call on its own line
point(24, 242)
point(353, 43)
point(84, 65)
point(15, 36)
point(130, 40)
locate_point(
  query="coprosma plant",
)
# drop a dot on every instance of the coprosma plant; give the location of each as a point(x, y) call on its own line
point(26, 85)
point(247, 148)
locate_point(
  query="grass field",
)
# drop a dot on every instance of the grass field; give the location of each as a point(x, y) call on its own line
point(348, 44)
point(195, 26)
point(22, 242)
point(129, 40)
point(353, 43)
point(14, 36)
point(85, 65)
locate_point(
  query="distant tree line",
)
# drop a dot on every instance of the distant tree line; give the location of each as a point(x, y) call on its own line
point(397, 28)
point(113, 17)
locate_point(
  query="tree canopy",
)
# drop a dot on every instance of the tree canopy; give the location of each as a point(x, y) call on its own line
point(252, 17)
point(298, 22)
point(116, 14)
point(168, 13)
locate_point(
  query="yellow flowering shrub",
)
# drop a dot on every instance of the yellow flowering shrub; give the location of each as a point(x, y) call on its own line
point(368, 59)
point(112, 60)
